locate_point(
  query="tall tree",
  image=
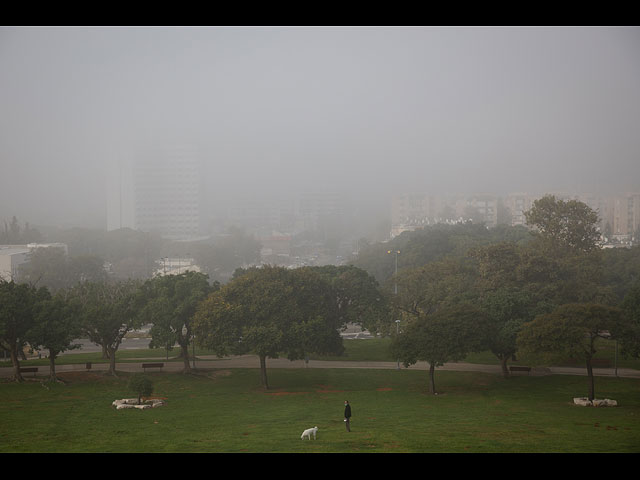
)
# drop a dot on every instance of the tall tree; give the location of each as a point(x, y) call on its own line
point(507, 300)
point(444, 336)
point(171, 302)
point(569, 224)
point(109, 312)
point(631, 309)
point(18, 314)
point(57, 326)
point(270, 311)
point(358, 297)
point(571, 330)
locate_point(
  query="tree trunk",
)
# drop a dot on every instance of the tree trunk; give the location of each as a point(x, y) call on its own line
point(263, 371)
point(591, 380)
point(185, 357)
point(503, 364)
point(112, 361)
point(52, 365)
point(17, 376)
point(432, 378)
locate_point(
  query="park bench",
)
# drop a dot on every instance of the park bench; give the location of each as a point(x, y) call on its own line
point(29, 369)
point(151, 365)
point(514, 368)
point(88, 365)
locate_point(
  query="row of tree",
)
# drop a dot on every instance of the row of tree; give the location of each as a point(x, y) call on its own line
point(545, 296)
point(267, 311)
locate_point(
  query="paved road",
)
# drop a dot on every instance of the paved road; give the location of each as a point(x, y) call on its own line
point(251, 361)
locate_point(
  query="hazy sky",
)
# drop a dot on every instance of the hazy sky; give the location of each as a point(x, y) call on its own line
point(375, 110)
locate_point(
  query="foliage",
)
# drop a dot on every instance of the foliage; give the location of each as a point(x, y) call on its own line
point(358, 297)
point(170, 303)
point(220, 258)
point(109, 311)
point(52, 268)
point(57, 326)
point(631, 309)
point(141, 385)
point(443, 336)
point(564, 224)
point(572, 330)
point(269, 311)
point(18, 314)
point(621, 269)
point(433, 243)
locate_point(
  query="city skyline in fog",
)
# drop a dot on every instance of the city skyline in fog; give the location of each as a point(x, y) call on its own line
point(275, 111)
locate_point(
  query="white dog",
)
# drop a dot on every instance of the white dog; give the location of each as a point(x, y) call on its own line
point(307, 433)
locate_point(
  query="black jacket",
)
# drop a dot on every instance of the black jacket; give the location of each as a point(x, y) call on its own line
point(347, 411)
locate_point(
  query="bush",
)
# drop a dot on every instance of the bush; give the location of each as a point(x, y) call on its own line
point(141, 385)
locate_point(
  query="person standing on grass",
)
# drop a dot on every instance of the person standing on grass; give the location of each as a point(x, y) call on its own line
point(347, 415)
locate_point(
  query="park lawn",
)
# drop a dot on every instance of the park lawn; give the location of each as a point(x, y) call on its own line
point(227, 411)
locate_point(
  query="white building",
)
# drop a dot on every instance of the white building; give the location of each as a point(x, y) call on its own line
point(13, 256)
point(158, 191)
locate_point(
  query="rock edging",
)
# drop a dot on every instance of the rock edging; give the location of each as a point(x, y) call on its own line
point(585, 402)
point(133, 403)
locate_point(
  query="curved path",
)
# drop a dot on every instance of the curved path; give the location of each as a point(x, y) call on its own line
point(251, 361)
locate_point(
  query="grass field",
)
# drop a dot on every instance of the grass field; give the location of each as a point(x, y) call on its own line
point(227, 411)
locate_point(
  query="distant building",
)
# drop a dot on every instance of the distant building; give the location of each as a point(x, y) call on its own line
point(176, 266)
point(120, 202)
point(517, 204)
point(157, 191)
point(624, 219)
point(12, 257)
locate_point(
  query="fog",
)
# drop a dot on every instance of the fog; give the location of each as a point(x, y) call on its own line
point(274, 111)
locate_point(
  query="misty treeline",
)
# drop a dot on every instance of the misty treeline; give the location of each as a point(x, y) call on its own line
point(543, 295)
point(123, 254)
point(265, 310)
point(550, 294)
point(13, 234)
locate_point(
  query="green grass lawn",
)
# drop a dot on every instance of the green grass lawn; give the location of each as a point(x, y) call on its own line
point(227, 411)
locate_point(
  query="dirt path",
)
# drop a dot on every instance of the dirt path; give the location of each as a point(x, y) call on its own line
point(251, 361)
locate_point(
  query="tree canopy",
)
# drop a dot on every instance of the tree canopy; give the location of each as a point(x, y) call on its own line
point(271, 311)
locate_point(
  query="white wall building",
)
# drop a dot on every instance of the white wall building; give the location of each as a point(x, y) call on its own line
point(13, 256)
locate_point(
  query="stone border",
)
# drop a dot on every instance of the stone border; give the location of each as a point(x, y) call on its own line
point(133, 403)
point(585, 402)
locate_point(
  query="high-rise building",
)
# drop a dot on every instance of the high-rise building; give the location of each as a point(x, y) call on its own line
point(166, 192)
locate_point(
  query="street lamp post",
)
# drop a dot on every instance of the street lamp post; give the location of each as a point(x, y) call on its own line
point(395, 291)
point(397, 333)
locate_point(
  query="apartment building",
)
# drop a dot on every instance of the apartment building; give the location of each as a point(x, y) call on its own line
point(166, 192)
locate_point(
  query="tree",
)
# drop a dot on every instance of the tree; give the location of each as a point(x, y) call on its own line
point(57, 325)
point(631, 309)
point(141, 385)
point(507, 300)
point(444, 336)
point(109, 312)
point(13, 235)
point(564, 225)
point(52, 268)
point(170, 304)
point(358, 297)
point(18, 314)
point(270, 311)
point(234, 250)
point(572, 330)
